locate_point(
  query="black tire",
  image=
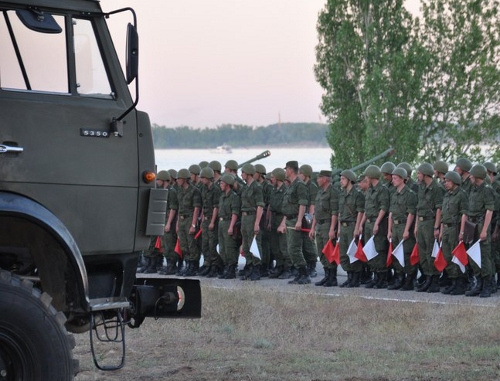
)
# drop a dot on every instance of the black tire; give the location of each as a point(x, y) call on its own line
point(34, 345)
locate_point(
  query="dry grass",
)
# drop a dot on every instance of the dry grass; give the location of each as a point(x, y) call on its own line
point(255, 334)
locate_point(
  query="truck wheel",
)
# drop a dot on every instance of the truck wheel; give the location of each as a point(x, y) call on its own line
point(34, 345)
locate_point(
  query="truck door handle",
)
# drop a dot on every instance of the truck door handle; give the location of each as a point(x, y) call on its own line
point(5, 148)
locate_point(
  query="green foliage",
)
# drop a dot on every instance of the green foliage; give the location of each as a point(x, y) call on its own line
point(240, 135)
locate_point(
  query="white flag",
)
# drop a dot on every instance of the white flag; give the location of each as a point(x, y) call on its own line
point(435, 249)
point(217, 248)
point(369, 249)
point(399, 253)
point(254, 248)
point(351, 252)
point(457, 261)
point(475, 253)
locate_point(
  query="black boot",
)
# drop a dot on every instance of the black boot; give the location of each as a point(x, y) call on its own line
point(285, 274)
point(204, 270)
point(372, 282)
point(153, 264)
point(312, 269)
point(144, 265)
point(434, 287)
point(486, 291)
point(304, 277)
point(459, 288)
point(332, 278)
point(408, 284)
point(348, 281)
point(382, 280)
point(181, 269)
point(398, 283)
point(425, 286)
point(451, 287)
point(356, 280)
point(231, 272)
point(476, 290)
point(247, 271)
point(255, 275)
point(276, 272)
point(323, 281)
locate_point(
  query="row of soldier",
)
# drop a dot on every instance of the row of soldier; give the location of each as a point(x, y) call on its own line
point(265, 218)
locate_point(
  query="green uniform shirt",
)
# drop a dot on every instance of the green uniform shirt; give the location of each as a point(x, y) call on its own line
point(412, 185)
point(403, 203)
point(390, 187)
point(481, 199)
point(189, 199)
point(350, 204)
point(295, 195)
point(455, 204)
point(172, 200)
point(267, 190)
point(252, 197)
point(229, 204)
point(467, 185)
point(313, 191)
point(210, 198)
point(430, 199)
point(326, 203)
point(377, 198)
point(276, 200)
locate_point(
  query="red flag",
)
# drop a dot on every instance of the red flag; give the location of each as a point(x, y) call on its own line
point(415, 256)
point(198, 234)
point(461, 253)
point(440, 263)
point(336, 253)
point(158, 244)
point(360, 254)
point(328, 250)
point(178, 248)
point(389, 255)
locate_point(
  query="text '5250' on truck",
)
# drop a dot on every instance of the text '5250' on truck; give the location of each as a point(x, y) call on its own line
point(77, 193)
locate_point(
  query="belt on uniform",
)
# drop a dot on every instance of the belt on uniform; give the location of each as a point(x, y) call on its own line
point(476, 220)
point(399, 222)
point(184, 216)
point(291, 216)
point(449, 225)
point(247, 213)
point(370, 220)
point(324, 221)
point(347, 223)
point(425, 218)
point(224, 218)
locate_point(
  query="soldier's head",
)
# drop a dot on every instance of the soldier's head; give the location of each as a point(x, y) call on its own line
point(324, 178)
point(260, 172)
point(491, 170)
point(440, 168)
point(463, 167)
point(425, 173)
point(452, 180)
point(194, 171)
point(183, 177)
point(278, 174)
point(226, 182)
point(387, 168)
point(305, 172)
point(372, 173)
point(231, 166)
point(247, 172)
point(347, 178)
point(216, 166)
point(406, 166)
point(163, 179)
point(207, 175)
point(399, 177)
point(291, 169)
point(478, 174)
point(173, 176)
point(203, 164)
point(363, 182)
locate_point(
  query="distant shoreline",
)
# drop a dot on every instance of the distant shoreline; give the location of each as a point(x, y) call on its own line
point(263, 146)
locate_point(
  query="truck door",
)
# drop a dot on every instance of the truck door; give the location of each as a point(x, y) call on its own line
point(60, 86)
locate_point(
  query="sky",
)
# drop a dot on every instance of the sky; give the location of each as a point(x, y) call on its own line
point(204, 63)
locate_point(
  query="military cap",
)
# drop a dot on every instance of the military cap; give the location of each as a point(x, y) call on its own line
point(228, 178)
point(207, 173)
point(454, 177)
point(259, 168)
point(183, 174)
point(387, 167)
point(487, 180)
point(426, 169)
point(406, 166)
point(325, 173)
point(478, 171)
point(232, 165)
point(173, 173)
point(490, 167)
point(268, 176)
point(279, 174)
point(373, 172)
point(347, 173)
point(306, 170)
point(249, 169)
point(441, 166)
point(464, 164)
point(215, 165)
point(163, 175)
point(401, 172)
point(195, 169)
point(203, 164)
point(361, 177)
point(292, 164)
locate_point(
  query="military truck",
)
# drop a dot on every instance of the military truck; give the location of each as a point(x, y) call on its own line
point(78, 202)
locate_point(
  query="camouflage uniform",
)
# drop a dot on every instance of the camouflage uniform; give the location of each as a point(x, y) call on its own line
point(210, 238)
point(229, 205)
point(279, 247)
point(189, 199)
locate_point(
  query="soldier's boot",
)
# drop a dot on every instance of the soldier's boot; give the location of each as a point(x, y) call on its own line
point(408, 283)
point(476, 290)
point(264, 271)
point(391, 277)
point(325, 278)
point(451, 287)
point(425, 286)
point(231, 272)
point(189, 269)
point(486, 291)
point(304, 276)
point(152, 267)
point(142, 263)
point(459, 288)
point(255, 275)
point(214, 271)
point(434, 287)
point(498, 279)
point(372, 282)
point(274, 274)
point(204, 270)
point(285, 274)
point(247, 271)
point(366, 275)
point(332, 278)
point(242, 271)
point(224, 272)
point(494, 287)
point(356, 280)
point(296, 278)
point(398, 283)
point(311, 268)
point(348, 281)
point(294, 271)
point(145, 265)
point(444, 280)
point(382, 280)
point(181, 269)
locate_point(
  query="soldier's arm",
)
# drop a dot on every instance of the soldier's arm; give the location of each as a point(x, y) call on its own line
point(462, 227)
point(380, 217)
point(331, 233)
point(437, 223)
point(389, 228)
point(256, 227)
point(171, 216)
point(215, 213)
point(196, 212)
point(486, 225)
point(302, 211)
point(409, 221)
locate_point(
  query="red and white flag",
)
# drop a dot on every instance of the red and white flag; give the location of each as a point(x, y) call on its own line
point(475, 253)
point(399, 253)
point(369, 249)
point(336, 253)
point(328, 250)
point(178, 248)
point(435, 249)
point(359, 251)
point(388, 262)
point(351, 252)
point(460, 256)
point(254, 248)
point(415, 256)
point(440, 263)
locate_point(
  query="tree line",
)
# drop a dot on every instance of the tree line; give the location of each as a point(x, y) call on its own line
point(313, 134)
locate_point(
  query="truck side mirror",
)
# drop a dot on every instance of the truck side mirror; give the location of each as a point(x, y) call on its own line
point(132, 53)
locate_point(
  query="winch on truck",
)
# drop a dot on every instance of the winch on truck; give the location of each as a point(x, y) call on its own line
point(78, 202)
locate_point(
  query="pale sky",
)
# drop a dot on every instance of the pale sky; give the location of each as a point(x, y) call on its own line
point(208, 62)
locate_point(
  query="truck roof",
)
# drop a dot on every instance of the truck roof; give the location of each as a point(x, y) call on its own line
point(92, 6)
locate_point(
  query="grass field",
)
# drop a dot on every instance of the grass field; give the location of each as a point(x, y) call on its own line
point(255, 334)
